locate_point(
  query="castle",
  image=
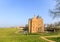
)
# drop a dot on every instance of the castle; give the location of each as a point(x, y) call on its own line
point(35, 25)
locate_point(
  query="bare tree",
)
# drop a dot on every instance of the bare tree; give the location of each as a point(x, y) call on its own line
point(55, 13)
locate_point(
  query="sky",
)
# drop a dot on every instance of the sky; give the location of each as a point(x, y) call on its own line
point(17, 12)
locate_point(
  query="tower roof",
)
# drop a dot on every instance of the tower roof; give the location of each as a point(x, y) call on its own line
point(34, 16)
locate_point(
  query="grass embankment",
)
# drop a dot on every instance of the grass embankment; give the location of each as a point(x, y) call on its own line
point(9, 35)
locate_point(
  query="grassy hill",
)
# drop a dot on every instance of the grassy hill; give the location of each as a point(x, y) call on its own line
point(9, 35)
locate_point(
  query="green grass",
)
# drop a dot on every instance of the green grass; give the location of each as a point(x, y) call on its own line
point(57, 39)
point(9, 35)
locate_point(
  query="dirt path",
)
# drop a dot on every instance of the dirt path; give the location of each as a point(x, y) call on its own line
point(45, 38)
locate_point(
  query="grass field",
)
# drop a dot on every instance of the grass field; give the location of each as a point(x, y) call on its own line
point(57, 39)
point(9, 35)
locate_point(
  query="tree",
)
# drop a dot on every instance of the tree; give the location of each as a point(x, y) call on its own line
point(55, 13)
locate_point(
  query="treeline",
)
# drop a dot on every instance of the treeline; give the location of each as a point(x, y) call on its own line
point(55, 27)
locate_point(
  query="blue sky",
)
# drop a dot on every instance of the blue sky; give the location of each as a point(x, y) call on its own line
point(17, 12)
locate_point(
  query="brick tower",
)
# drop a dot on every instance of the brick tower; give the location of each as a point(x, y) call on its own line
point(35, 25)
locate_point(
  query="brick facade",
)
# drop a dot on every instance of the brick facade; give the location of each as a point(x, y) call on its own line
point(35, 25)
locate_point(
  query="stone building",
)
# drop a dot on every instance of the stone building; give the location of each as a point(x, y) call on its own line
point(35, 25)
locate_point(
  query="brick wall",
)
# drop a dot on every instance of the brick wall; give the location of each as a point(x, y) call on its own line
point(36, 25)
